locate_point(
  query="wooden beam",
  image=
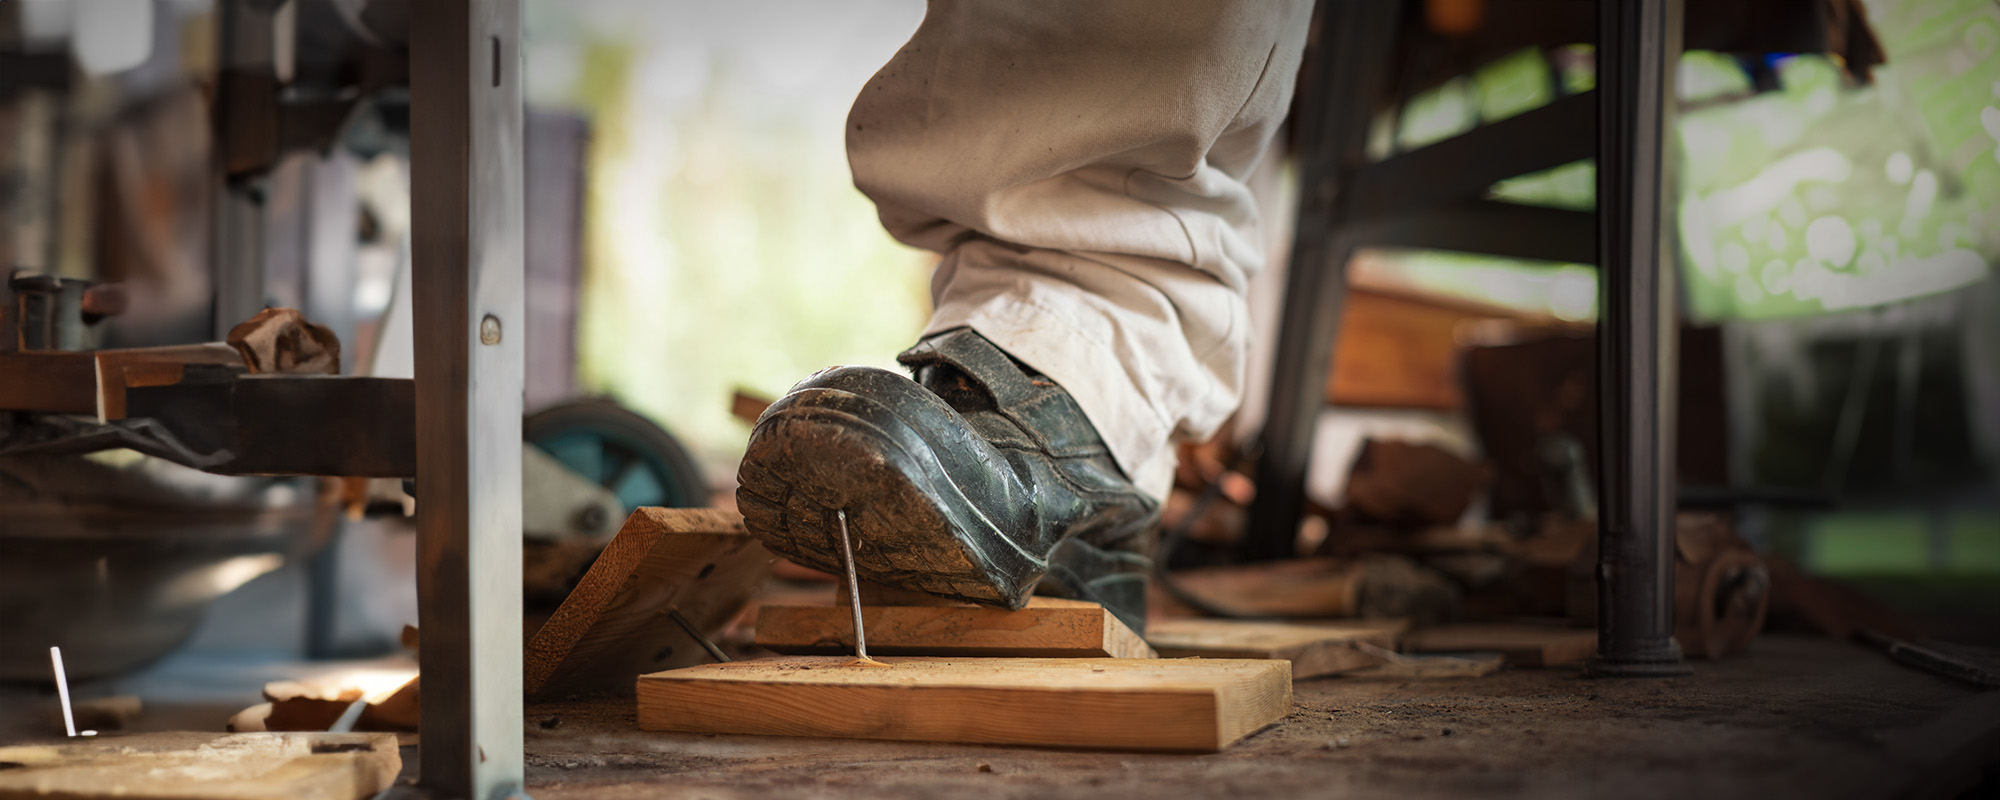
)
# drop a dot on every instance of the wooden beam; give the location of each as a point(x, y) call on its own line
point(1047, 628)
point(1189, 705)
point(1489, 227)
point(1313, 650)
point(1521, 643)
point(169, 766)
point(1464, 167)
point(617, 623)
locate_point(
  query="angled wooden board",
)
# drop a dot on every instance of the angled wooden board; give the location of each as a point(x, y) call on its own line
point(235, 766)
point(616, 625)
point(1048, 627)
point(1313, 648)
point(1526, 644)
point(1192, 705)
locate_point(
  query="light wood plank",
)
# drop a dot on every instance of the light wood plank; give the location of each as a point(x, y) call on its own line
point(1524, 644)
point(1198, 705)
point(1314, 649)
point(1048, 627)
point(616, 625)
point(170, 766)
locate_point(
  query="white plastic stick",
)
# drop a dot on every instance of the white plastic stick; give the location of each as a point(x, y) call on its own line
point(62, 690)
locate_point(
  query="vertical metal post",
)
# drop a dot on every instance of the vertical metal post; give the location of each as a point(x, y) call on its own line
point(1639, 43)
point(246, 45)
point(1347, 70)
point(466, 250)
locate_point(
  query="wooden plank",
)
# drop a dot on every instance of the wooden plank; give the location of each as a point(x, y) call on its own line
point(1313, 649)
point(1524, 644)
point(240, 766)
point(1299, 588)
point(1047, 628)
point(1196, 704)
point(617, 622)
point(1400, 349)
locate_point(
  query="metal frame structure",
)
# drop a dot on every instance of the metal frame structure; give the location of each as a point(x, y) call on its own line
point(1429, 197)
point(1350, 69)
point(467, 278)
point(1638, 334)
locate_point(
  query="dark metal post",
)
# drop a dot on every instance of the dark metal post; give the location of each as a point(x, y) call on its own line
point(1639, 44)
point(1346, 71)
point(466, 283)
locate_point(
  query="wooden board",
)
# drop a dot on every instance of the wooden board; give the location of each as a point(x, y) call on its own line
point(1194, 704)
point(238, 766)
point(1302, 588)
point(1399, 349)
point(615, 625)
point(1048, 628)
point(1524, 644)
point(1314, 649)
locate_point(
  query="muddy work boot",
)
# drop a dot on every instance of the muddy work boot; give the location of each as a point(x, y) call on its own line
point(974, 481)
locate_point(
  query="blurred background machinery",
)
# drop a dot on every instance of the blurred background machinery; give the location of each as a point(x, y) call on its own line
point(157, 424)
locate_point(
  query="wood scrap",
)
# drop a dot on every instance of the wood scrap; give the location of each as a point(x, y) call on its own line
point(701, 563)
point(1527, 644)
point(1314, 649)
point(281, 341)
point(1048, 627)
point(1400, 349)
point(315, 705)
point(747, 405)
point(1302, 588)
point(1197, 705)
point(1722, 588)
point(1402, 483)
point(1372, 587)
point(243, 766)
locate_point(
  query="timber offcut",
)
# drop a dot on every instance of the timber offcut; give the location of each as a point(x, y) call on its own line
point(1184, 705)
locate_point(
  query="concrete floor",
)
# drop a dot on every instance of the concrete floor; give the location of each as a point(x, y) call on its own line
point(1798, 717)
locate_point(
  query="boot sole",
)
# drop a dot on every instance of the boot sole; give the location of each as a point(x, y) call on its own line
point(822, 450)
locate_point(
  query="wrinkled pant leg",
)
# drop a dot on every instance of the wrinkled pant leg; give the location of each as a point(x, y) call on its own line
point(1082, 167)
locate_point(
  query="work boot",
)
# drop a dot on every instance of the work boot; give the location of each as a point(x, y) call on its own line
point(974, 481)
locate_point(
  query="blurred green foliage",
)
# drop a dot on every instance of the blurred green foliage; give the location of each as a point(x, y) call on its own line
point(1822, 195)
point(726, 246)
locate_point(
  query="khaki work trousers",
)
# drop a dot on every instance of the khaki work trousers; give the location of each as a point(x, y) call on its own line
point(1081, 167)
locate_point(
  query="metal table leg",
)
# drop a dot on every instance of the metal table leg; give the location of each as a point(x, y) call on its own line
point(1637, 342)
point(466, 248)
point(1347, 71)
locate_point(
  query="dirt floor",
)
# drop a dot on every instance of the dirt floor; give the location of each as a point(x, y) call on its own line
point(1799, 717)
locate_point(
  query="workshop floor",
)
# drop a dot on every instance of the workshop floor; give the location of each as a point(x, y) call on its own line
point(1799, 717)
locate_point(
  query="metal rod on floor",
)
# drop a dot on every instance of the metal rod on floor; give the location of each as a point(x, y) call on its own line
point(689, 626)
point(62, 691)
point(1638, 339)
